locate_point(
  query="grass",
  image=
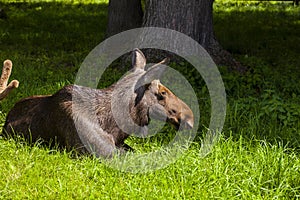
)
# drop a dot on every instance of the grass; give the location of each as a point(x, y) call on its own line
point(257, 156)
point(234, 169)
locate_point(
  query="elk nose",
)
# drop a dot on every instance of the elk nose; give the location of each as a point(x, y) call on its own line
point(189, 124)
point(187, 121)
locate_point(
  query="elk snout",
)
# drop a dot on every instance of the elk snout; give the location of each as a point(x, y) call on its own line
point(178, 113)
point(187, 122)
point(182, 120)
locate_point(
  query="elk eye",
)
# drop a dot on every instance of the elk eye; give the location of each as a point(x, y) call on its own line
point(161, 95)
point(174, 111)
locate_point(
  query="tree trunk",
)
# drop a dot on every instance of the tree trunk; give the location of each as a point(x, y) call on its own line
point(3, 14)
point(123, 15)
point(193, 18)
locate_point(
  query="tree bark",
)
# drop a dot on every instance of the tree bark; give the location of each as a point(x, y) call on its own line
point(193, 18)
point(123, 15)
point(3, 14)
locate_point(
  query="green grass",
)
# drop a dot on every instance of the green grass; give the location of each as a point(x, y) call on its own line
point(257, 156)
point(234, 169)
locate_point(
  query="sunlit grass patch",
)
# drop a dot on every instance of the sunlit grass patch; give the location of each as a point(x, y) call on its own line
point(243, 169)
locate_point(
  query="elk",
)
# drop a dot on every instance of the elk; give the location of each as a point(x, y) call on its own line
point(84, 118)
point(4, 88)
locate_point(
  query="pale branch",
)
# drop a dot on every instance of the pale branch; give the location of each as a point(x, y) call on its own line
point(4, 88)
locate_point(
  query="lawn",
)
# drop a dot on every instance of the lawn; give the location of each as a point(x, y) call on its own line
point(257, 156)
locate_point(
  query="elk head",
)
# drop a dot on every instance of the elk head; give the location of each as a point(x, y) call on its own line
point(170, 107)
point(146, 97)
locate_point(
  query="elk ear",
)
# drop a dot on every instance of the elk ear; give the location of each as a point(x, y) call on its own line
point(149, 78)
point(154, 72)
point(154, 86)
point(138, 59)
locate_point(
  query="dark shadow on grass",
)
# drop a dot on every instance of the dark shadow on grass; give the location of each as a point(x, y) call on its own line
point(263, 103)
point(270, 33)
point(52, 27)
point(51, 147)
